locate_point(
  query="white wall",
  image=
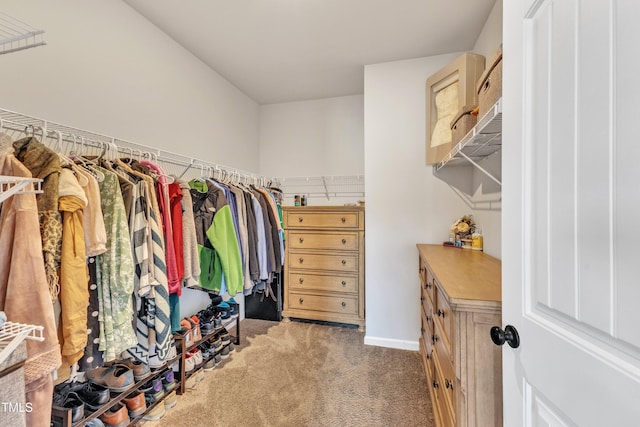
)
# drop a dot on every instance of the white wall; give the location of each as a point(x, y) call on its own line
point(406, 204)
point(310, 138)
point(107, 69)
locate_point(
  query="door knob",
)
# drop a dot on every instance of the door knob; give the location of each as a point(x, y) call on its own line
point(509, 335)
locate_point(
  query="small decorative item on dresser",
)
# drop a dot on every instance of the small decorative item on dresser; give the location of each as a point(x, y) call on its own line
point(463, 230)
point(296, 200)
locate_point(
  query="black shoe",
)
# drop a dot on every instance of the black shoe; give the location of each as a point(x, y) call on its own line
point(94, 396)
point(69, 401)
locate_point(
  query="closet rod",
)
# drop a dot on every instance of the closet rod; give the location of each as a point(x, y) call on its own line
point(30, 125)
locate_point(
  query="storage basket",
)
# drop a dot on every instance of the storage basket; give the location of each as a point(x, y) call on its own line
point(490, 85)
point(463, 123)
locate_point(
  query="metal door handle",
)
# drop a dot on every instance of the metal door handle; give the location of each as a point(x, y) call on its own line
point(509, 335)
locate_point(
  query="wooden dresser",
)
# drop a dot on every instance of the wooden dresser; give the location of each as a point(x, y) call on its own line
point(460, 295)
point(324, 263)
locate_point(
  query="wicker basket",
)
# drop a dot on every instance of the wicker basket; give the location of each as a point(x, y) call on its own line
point(490, 85)
point(463, 123)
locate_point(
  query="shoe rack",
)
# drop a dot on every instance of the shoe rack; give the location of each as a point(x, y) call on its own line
point(63, 418)
point(183, 348)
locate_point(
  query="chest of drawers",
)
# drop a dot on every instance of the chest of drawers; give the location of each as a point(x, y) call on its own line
point(460, 295)
point(324, 263)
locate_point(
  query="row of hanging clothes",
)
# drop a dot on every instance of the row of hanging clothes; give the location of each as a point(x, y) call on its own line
point(120, 238)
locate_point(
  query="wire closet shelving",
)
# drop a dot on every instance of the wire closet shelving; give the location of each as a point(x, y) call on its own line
point(16, 35)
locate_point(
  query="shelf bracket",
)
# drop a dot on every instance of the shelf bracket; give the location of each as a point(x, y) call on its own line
point(483, 170)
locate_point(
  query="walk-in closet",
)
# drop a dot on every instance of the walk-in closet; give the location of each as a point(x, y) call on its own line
point(318, 213)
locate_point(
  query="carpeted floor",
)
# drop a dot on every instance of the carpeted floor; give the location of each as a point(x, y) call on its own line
point(307, 374)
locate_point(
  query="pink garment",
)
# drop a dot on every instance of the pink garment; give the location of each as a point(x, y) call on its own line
point(175, 199)
point(162, 189)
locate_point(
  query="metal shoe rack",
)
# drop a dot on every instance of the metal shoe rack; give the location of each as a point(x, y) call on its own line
point(183, 349)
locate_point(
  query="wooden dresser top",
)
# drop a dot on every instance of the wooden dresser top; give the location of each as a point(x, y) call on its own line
point(464, 274)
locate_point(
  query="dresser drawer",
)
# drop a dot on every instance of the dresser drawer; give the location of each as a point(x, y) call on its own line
point(427, 333)
point(331, 220)
point(313, 261)
point(445, 404)
point(445, 362)
point(334, 304)
point(430, 285)
point(330, 241)
point(322, 282)
point(444, 317)
point(422, 272)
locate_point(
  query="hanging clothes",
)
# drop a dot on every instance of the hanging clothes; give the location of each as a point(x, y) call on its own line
point(74, 295)
point(115, 272)
point(24, 288)
point(190, 244)
point(214, 227)
point(45, 164)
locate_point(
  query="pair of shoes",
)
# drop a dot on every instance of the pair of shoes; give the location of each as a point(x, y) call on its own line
point(116, 416)
point(196, 355)
point(94, 396)
point(140, 370)
point(224, 309)
point(209, 365)
point(199, 375)
point(234, 307)
point(168, 381)
point(232, 347)
point(117, 377)
point(153, 391)
point(69, 401)
point(155, 414)
point(189, 362)
point(136, 403)
point(171, 400)
point(224, 353)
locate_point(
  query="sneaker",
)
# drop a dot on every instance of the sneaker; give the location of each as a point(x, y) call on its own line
point(135, 403)
point(196, 355)
point(168, 381)
point(154, 360)
point(191, 382)
point(96, 422)
point(225, 337)
point(69, 400)
point(224, 353)
point(217, 358)
point(116, 416)
point(232, 347)
point(216, 341)
point(234, 307)
point(171, 400)
point(185, 330)
point(154, 414)
point(224, 309)
point(209, 365)
point(195, 328)
point(153, 391)
point(189, 363)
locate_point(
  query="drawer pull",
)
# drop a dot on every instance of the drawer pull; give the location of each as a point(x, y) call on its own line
point(434, 338)
point(344, 241)
point(343, 219)
point(440, 313)
point(300, 260)
point(344, 283)
point(344, 262)
point(344, 304)
point(301, 300)
point(427, 286)
point(300, 219)
point(301, 239)
point(448, 384)
point(435, 384)
point(429, 356)
point(422, 330)
point(422, 299)
point(428, 319)
point(301, 280)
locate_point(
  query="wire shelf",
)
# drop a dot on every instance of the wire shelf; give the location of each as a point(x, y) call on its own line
point(16, 35)
point(12, 334)
point(11, 185)
point(327, 186)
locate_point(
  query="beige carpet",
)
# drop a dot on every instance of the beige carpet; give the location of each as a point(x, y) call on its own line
point(307, 374)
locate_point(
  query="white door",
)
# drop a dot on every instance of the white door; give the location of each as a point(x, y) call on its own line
point(571, 212)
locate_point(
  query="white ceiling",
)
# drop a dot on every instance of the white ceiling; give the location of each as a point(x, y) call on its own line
point(289, 50)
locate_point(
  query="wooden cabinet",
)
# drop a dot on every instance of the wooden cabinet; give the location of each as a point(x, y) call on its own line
point(324, 263)
point(460, 295)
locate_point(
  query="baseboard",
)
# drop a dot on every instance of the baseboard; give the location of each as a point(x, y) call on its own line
point(392, 343)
